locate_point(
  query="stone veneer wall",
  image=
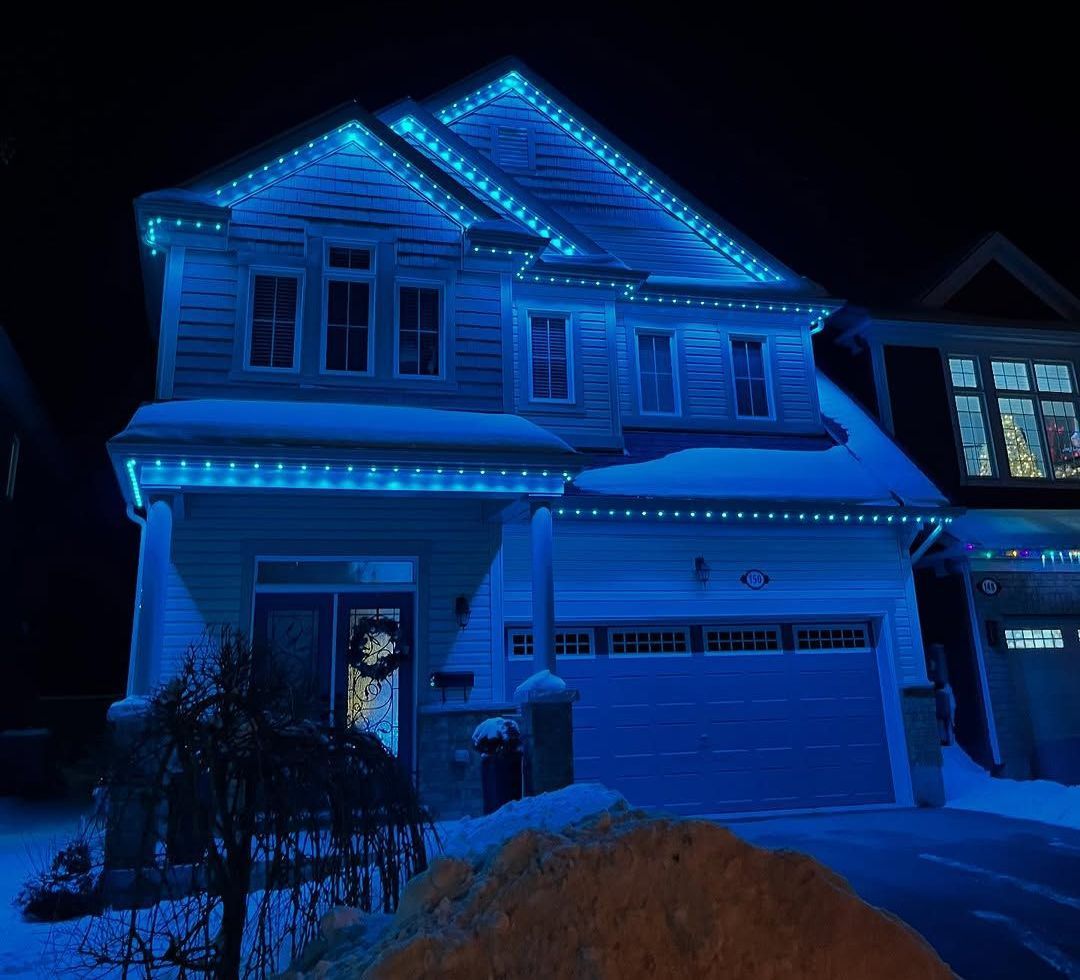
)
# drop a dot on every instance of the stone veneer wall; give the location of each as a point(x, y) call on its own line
point(1023, 594)
point(450, 786)
point(923, 745)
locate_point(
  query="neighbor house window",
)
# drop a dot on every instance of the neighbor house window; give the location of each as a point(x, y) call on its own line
point(274, 302)
point(549, 358)
point(832, 638)
point(1034, 639)
point(971, 416)
point(656, 373)
point(419, 329)
point(1020, 429)
point(659, 640)
point(1010, 375)
point(349, 295)
point(751, 388)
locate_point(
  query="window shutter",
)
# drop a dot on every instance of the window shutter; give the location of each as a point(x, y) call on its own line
point(550, 353)
point(273, 321)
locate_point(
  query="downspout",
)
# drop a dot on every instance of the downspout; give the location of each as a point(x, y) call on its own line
point(136, 518)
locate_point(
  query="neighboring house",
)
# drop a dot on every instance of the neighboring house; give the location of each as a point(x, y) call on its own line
point(978, 382)
point(472, 365)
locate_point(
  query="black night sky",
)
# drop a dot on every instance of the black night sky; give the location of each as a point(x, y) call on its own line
point(863, 153)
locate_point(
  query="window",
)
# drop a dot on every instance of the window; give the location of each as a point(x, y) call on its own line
point(969, 414)
point(549, 358)
point(1010, 375)
point(1062, 438)
point(349, 295)
point(1053, 377)
point(751, 389)
point(273, 322)
point(1034, 639)
point(756, 639)
point(13, 467)
point(660, 640)
point(656, 374)
point(513, 149)
point(1021, 431)
point(419, 322)
point(963, 372)
point(568, 643)
point(832, 638)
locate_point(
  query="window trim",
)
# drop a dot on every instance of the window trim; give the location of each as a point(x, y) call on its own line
point(559, 628)
point(277, 271)
point(329, 273)
point(422, 283)
point(672, 334)
point(571, 393)
point(766, 361)
point(650, 628)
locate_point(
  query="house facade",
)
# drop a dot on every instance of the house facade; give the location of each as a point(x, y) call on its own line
point(472, 367)
point(978, 382)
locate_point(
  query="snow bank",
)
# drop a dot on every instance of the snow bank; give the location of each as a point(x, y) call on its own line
point(472, 838)
point(970, 787)
point(624, 895)
point(235, 422)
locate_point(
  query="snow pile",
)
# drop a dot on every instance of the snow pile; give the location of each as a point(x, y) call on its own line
point(970, 787)
point(496, 735)
point(623, 895)
point(539, 684)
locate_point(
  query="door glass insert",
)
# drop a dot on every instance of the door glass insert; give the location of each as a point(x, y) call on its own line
point(375, 651)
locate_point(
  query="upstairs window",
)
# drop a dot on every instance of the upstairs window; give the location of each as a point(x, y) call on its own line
point(971, 416)
point(751, 387)
point(1020, 429)
point(1010, 375)
point(549, 358)
point(419, 330)
point(273, 339)
point(656, 374)
point(349, 298)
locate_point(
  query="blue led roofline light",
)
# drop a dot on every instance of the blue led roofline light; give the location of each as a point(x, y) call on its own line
point(322, 146)
point(220, 474)
point(153, 224)
point(514, 82)
point(412, 129)
point(716, 515)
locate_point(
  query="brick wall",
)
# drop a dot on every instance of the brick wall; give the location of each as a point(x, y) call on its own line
point(1022, 594)
point(923, 745)
point(448, 787)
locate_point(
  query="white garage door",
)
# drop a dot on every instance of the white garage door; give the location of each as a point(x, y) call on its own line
point(722, 719)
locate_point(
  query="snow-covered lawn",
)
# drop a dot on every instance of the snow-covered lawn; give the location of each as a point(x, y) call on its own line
point(970, 787)
point(27, 833)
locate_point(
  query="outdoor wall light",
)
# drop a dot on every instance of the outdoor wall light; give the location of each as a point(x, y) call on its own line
point(462, 611)
point(702, 570)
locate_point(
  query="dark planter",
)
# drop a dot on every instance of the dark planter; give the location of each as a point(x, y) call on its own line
point(500, 776)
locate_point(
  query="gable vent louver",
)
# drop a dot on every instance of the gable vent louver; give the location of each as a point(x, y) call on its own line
point(513, 147)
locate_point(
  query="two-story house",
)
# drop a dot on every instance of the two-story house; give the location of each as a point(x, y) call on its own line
point(978, 382)
point(473, 365)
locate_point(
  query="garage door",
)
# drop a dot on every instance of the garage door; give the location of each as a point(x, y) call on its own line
point(725, 718)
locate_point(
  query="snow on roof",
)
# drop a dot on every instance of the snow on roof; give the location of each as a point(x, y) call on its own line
point(236, 423)
point(863, 467)
point(1021, 529)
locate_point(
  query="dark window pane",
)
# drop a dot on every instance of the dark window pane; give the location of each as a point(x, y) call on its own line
point(760, 397)
point(410, 302)
point(646, 353)
point(656, 371)
point(429, 353)
point(349, 258)
point(754, 360)
point(337, 302)
point(407, 356)
point(429, 309)
point(335, 348)
point(273, 321)
point(358, 304)
point(743, 401)
point(358, 352)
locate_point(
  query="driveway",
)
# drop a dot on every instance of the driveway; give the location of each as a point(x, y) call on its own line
point(996, 897)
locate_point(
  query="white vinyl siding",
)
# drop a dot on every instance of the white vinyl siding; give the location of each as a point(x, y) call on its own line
point(273, 335)
point(549, 358)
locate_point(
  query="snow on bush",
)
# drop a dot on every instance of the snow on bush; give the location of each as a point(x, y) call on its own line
point(495, 735)
point(970, 787)
point(67, 886)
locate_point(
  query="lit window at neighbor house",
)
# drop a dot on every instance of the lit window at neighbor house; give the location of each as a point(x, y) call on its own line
point(1010, 375)
point(969, 416)
point(962, 370)
point(1021, 433)
point(1062, 438)
point(1053, 377)
point(1034, 639)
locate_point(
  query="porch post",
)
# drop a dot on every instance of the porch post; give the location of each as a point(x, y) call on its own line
point(543, 587)
point(150, 602)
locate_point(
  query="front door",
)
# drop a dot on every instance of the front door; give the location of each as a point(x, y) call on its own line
point(353, 651)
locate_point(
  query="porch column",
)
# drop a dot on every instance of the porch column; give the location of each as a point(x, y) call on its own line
point(153, 585)
point(543, 587)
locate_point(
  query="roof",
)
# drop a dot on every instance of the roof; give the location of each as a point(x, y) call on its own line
point(859, 466)
point(255, 425)
point(1018, 530)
